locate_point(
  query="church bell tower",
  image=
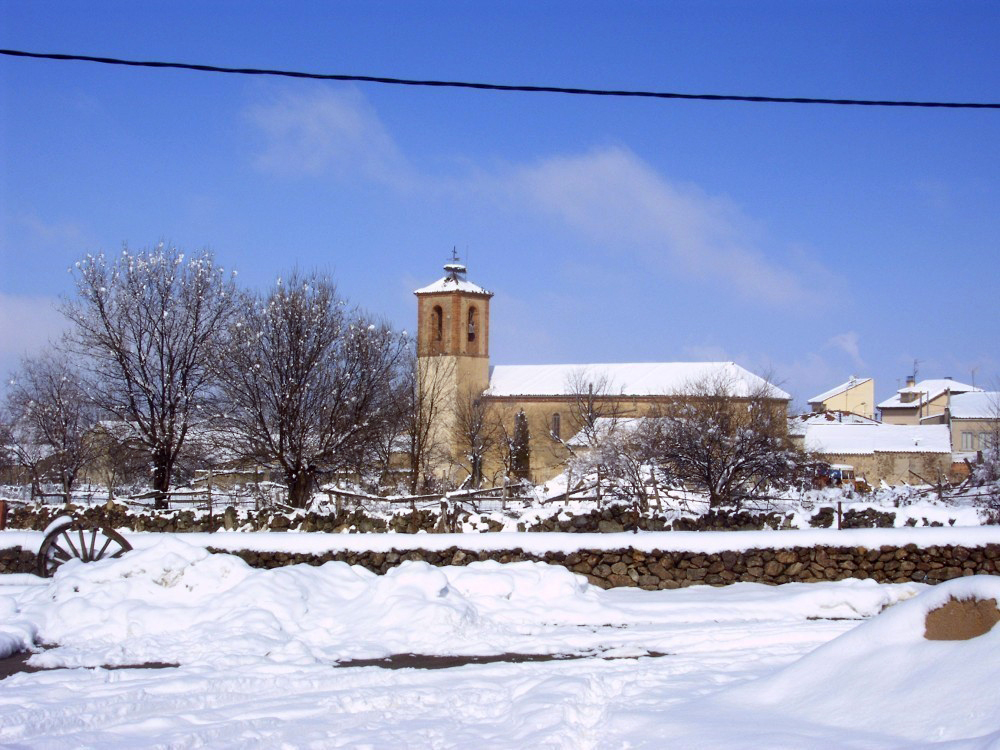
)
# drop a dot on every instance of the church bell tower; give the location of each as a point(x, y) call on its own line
point(453, 347)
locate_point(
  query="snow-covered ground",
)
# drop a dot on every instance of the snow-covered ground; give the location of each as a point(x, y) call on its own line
point(744, 666)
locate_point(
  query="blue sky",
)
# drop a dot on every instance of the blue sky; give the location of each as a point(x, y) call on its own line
point(816, 242)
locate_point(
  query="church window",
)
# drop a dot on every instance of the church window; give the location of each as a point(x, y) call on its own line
point(437, 322)
point(556, 419)
point(472, 324)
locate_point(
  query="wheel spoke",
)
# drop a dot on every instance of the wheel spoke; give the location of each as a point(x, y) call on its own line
point(69, 541)
point(93, 543)
point(84, 553)
point(58, 553)
point(107, 543)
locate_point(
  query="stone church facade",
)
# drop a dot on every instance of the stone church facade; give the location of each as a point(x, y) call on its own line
point(454, 370)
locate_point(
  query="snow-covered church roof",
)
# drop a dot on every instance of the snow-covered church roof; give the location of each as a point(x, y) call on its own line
point(455, 281)
point(630, 379)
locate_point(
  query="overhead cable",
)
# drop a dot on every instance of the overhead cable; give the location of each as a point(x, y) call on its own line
point(499, 86)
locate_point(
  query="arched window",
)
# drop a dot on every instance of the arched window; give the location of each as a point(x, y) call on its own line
point(555, 425)
point(437, 322)
point(473, 322)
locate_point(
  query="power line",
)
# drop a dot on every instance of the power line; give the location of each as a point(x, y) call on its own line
point(497, 86)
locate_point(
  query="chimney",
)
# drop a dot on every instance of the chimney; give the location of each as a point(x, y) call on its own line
point(910, 381)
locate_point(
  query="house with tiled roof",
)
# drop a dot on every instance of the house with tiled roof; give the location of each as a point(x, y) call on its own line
point(856, 395)
point(924, 402)
point(879, 452)
point(974, 420)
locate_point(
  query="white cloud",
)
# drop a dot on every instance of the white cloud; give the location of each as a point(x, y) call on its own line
point(617, 202)
point(308, 133)
point(614, 198)
point(848, 343)
point(27, 324)
point(56, 233)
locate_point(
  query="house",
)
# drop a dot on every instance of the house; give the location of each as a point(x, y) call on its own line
point(453, 326)
point(800, 423)
point(895, 454)
point(856, 396)
point(923, 402)
point(974, 419)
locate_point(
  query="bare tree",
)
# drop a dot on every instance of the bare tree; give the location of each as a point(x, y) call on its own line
point(424, 396)
point(731, 444)
point(51, 415)
point(476, 435)
point(146, 325)
point(595, 405)
point(594, 412)
point(8, 460)
point(309, 384)
point(985, 475)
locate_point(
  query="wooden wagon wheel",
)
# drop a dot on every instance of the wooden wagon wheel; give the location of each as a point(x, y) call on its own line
point(74, 539)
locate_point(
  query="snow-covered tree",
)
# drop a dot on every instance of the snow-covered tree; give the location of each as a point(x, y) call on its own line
point(51, 416)
point(309, 384)
point(624, 455)
point(146, 327)
point(726, 443)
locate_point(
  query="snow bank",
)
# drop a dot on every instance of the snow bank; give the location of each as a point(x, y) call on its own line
point(884, 676)
point(746, 666)
point(175, 602)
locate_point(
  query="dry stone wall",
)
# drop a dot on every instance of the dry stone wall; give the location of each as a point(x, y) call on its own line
point(665, 569)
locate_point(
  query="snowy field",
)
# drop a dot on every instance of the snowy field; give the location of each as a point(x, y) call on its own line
point(744, 666)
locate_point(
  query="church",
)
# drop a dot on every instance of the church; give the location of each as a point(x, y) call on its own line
point(457, 386)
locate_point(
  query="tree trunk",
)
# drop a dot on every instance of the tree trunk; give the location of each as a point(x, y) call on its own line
point(67, 487)
point(300, 484)
point(161, 478)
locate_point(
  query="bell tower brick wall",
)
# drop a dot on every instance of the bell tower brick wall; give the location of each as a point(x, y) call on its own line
point(453, 335)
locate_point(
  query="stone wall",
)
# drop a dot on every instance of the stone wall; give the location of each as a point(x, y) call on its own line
point(665, 569)
point(17, 560)
point(612, 518)
point(670, 570)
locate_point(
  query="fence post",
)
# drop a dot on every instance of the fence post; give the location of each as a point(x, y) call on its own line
point(840, 515)
point(211, 520)
point(3, 515)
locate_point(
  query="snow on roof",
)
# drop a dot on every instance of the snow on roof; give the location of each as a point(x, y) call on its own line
point(926, 390)
point(852, 383)
point(633, 379)
point(976, 405)
point(798, 424)
point(855, 439)
point(452, 284)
